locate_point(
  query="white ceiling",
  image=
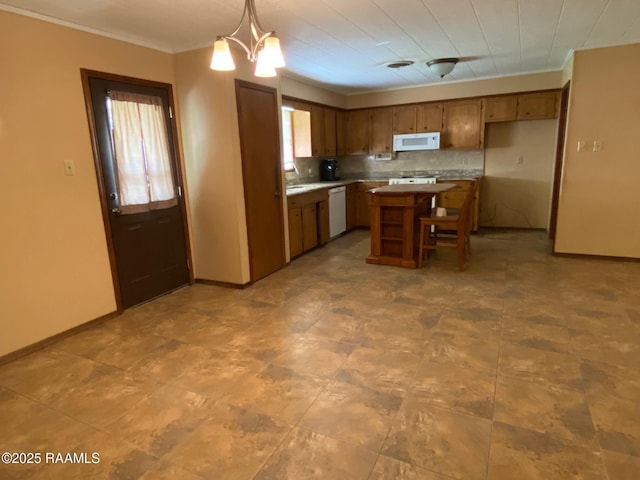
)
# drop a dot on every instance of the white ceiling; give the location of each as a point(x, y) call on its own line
point(345, 44)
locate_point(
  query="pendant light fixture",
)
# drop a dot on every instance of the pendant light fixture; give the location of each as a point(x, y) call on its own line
point(263, 50)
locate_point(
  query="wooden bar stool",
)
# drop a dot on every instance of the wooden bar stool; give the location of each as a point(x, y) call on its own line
point(452, 231)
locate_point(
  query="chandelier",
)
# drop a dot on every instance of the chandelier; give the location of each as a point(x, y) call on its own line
point(263, 50)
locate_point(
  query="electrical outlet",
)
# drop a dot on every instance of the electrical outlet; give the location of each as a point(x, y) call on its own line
point(519, 160)
point(582, 146)
point(69, 167)
point(597, 145)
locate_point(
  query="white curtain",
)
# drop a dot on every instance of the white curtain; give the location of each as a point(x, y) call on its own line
point(141, 153)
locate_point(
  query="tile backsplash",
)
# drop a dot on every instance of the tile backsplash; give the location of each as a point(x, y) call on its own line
point(428, 162)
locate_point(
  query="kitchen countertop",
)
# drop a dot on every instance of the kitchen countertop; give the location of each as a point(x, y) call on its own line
point(307, 187)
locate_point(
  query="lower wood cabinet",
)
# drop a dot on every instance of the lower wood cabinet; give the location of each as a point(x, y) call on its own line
point(309, 227)
point(363, 211)
point(323, 221)
point(352, 205)
point(295, 232)
point(308, 215)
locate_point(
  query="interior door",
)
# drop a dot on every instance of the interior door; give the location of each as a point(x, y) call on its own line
point(148, 249)
point(260, 148)
point(557, 173)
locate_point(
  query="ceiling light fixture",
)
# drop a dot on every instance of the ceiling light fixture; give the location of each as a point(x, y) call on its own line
point(400, 64)
point(442, 66)
point(263, 50)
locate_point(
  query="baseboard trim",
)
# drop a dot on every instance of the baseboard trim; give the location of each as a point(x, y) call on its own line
point(34, 347)
point(589, 256)
point(216, 283)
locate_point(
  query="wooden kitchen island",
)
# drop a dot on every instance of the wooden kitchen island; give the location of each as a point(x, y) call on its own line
point(395, 213)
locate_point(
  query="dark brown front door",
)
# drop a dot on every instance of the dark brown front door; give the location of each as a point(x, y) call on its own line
point(260, 147)
point(148, 250)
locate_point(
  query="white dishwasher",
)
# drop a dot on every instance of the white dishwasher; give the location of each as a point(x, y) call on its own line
point(337, 211)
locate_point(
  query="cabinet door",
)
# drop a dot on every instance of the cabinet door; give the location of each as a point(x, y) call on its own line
point(309, 227)
point(534, 106)
point(295, 232)
point(301, 133)
point(317, 131)
point(323, 221)
point(358, 132)
point(352, 205)
point(341, 133)
point(329, 132)
point(381, 130)
point(429, 117)
point(363, 215)
point(462, 125)
point(404, 119)
point(500, 109)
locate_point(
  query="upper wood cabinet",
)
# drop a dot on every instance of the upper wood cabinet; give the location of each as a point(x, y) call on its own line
point(429, 117)
point(404, 119)
point(330, 133)
point(301, 124)
point(534, 106)
point(358, 132)
point(317, 131)
point(500, 109)
point(462, 125)
point(341, 133)
point(381, 130)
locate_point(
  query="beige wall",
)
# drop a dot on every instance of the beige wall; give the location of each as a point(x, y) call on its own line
point(598, 199)
point(54, 267)
point(518, 174)
point(298, 89)
point(476, 88)
point(211, 142)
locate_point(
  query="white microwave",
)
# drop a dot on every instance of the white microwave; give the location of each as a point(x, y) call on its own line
point(416, 141)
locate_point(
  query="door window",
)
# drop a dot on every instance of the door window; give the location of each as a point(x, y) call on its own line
point(141, 152)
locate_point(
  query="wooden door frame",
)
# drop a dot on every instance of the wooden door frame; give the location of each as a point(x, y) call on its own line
point(104, 207)
point(274, 92)
point(557, 174)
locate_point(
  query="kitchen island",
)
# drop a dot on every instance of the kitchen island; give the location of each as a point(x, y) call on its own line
point(395, 218)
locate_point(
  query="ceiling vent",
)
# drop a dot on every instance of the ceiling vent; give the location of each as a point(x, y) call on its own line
point(400, 64)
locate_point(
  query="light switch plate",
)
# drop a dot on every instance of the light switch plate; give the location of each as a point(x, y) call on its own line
point(582, 146)
point(597, 145)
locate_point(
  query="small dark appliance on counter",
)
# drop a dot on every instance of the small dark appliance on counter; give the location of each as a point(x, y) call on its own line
point(329, 169)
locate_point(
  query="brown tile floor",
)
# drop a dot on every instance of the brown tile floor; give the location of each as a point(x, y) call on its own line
point(525, 366)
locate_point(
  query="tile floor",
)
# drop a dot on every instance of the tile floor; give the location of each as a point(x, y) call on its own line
point(525, 366)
